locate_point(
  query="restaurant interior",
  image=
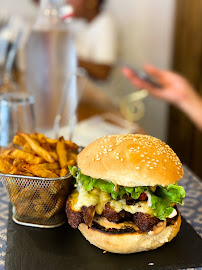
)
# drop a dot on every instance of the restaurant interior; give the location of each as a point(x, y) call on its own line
point(84, 69)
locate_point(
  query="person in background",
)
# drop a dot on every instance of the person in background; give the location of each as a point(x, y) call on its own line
point(175, 90)
point(96, 42)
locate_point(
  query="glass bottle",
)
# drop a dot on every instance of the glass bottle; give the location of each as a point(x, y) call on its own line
point(50, 59)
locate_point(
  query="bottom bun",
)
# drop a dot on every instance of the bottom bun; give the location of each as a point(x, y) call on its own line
point(129, 242)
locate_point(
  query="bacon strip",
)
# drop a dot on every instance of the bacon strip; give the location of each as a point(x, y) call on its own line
point(145, 222)
point(74, 217)
point(88, 214)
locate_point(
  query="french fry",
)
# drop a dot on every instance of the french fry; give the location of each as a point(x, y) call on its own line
point(19, 164)
point(8, 161)
point(54, 187)
point(40, 157)
point(25, 194)
point(47, 147)
point(26, 174)
point(37, 148)
point(27, 148)
point(13, 187)
point(63, 172)
point(52, 142)
point(45, 144)
point(57, 171)
point(62, 152)
point(4, 153)
point(40, 172)
point(34, 136)
point(40, 136)
point(50, 166)
point(29, 158)
point(39, 206)
point(54, 155)
point(71, 163)
point(71, 145)
point(46, 197)
point(3, 166)
point(40, 209)
point(73, 156)
point(14, 170)
point(22, 208)
point(19, 140)
point(59, 205)
point(68, 144)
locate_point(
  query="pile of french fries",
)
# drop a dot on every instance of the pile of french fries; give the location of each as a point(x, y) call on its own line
point(40, 157)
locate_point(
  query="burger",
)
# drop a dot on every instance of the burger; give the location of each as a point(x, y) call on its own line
point(126, 193)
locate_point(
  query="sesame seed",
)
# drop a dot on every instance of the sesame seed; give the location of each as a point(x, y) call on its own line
point(121, 159)
point(142, 155)
point(151, 167)
point(130, 150)
point(117, 157)
point(93, 159)
point(147, 157)
point(97, 155)
point(143, 160)
point(109, 150)
point(97, 158)
point(164, 168)
point(147, 165)
point(137, 168)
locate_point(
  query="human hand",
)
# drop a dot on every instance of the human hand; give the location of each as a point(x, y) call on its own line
point(36, 1)
point(175, 89)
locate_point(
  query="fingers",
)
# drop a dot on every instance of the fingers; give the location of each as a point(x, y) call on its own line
point(135, 80)
point(158, 74)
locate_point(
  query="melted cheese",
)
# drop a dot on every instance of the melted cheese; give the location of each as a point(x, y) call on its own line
point(95, 197)
point(99, 198)
point(141, 206)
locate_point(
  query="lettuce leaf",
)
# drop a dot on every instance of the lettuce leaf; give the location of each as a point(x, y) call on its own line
point(164, 197)
point(89, 183)
point(161, 200)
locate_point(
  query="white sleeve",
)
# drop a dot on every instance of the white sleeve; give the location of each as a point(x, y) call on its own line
point(105, 42)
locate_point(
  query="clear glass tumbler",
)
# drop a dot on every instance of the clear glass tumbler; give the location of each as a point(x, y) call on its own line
point(16, 114)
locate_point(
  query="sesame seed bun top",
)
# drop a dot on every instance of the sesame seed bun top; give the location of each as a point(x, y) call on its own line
point(131, 160)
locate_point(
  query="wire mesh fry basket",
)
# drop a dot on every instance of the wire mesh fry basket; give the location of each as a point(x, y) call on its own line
point(38, 202)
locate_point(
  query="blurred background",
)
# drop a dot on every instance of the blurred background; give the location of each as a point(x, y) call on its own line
point(167, 34)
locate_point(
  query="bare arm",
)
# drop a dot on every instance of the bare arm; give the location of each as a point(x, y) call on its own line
point(96, 71)
point(175, 90)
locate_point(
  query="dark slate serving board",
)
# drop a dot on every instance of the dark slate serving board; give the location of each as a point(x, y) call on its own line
point(65, 248)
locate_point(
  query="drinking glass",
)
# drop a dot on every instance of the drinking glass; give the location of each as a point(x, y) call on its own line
point(133, 107)
point(16, 114)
